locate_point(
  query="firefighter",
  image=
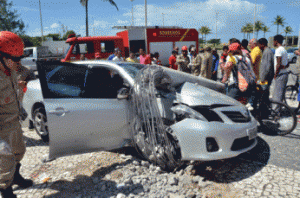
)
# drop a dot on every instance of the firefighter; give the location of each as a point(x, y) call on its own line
point(12, 146)
point(196, 61)
point(183, 60)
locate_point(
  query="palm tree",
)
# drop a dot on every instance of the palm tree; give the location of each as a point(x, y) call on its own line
point(287, 31)
point(244, 30)
point(279, 21)
point(265, 29)
point(258, 27)
point(85, 3)
point(204, 30)
point(249, 29)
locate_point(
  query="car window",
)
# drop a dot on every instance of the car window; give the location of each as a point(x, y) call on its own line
point(131, 69)
point(28, 53)
point(63, 81)
point(102, 83)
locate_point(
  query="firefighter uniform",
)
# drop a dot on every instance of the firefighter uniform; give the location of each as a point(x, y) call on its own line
point(183, 63)
point(12, 146)
point(196, 65)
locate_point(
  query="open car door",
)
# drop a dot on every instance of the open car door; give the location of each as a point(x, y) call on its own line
point(78, 123)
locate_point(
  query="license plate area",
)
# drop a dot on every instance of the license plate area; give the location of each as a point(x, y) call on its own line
point(252, 133)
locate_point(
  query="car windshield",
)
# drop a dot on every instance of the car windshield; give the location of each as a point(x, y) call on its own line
point(131, 69)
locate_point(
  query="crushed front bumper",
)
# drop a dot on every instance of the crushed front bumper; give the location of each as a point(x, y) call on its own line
point(232, 139)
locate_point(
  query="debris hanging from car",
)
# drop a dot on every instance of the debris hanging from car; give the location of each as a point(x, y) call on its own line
point(152, 98)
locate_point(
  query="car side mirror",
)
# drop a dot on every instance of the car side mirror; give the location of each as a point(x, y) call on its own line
point(123, 93)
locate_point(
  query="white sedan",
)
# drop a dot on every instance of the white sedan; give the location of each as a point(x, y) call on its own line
point(100, 105)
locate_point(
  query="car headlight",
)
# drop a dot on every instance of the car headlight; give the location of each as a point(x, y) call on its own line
point(246, 113)
point(184, 111)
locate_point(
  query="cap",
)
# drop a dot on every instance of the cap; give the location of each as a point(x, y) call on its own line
point(234, 47)
point(11, 44)
point(184, 48)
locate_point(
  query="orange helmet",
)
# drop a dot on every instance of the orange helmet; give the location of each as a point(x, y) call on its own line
point(11, 44)
point(184, 48)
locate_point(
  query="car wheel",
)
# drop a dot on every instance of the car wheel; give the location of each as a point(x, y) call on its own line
point(294, 60)
point(40, 123)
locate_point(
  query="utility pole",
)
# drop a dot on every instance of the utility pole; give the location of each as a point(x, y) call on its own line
point(254, 20)
point(146, 13)
point(163, 19)
point(41, 21)
point(217, 25)
point(132, 24)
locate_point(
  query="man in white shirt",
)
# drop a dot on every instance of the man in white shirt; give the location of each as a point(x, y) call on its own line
point(118, 56)
point(280, 67)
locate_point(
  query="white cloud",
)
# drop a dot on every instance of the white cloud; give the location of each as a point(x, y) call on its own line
point(55, 25)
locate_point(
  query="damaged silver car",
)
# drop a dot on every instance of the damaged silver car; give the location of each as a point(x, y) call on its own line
point(168, 115)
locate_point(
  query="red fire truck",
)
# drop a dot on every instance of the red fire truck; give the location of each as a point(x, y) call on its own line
point(152, 39)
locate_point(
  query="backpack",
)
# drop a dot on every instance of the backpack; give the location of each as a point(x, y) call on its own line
point(245, 75)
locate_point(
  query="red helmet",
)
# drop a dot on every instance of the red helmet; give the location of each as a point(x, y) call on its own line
point(11, 44)
point(184, 48)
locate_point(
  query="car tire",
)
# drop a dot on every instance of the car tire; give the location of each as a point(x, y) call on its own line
point(294, 60)
point(40, 123)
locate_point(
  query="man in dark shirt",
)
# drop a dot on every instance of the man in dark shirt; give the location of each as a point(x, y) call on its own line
point(266, 72)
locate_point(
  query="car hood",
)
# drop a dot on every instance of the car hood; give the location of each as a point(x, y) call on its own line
point(196, 95)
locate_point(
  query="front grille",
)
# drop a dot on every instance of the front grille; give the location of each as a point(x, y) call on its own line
point(209, 114)
point(236, 116)
point(241, 143)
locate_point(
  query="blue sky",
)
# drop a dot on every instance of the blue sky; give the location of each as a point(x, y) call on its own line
point(232, 15)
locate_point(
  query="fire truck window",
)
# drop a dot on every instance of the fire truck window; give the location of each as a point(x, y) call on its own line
point(107, 46)
point(76, 49)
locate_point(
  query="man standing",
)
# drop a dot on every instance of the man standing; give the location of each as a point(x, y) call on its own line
point(144, 58)
point(205, 70)
point(114, 54)
point(132, 58)
point(183, 60)
point(256, 55)
point(196, 61)
point(280, 68)
point(215, 64)
point(118, 56)
point(172, 60)
point(266, 72)
point(11, 139)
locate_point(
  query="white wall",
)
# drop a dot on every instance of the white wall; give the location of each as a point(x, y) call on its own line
point(56, 47)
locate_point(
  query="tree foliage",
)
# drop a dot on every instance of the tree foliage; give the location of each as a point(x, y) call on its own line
point(31, 41)
point(279, 21)
point(204, 30)
point(65, 36)
point(214, 41)
point(258, 27)
point(55, 37)
point(9, 19)
point(265, 29)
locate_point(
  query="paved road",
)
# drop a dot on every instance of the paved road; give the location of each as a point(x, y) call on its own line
point(284, 150)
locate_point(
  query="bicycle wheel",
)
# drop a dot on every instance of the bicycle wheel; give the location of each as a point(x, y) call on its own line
point(291, 96)
point(281, 119)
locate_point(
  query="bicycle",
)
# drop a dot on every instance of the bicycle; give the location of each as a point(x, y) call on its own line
point(273, 116)
point(291, 93)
